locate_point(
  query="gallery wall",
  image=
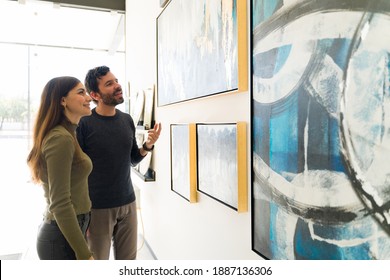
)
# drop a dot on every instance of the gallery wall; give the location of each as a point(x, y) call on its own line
point(173, 227)
point(317, 117)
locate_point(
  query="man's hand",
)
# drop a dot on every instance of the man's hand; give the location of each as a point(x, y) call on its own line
point(153, 135)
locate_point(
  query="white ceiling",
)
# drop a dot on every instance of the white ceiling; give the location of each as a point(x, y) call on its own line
point(48, 24)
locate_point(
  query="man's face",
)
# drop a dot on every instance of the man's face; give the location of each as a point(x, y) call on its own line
point(110, 91)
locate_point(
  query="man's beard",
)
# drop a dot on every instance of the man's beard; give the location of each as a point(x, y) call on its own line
point(109, 99)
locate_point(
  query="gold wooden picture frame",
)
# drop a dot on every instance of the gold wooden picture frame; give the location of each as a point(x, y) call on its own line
point(183, 161)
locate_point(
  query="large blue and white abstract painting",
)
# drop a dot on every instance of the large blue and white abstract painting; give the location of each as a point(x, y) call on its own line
point(321, 129)
point(197, 52)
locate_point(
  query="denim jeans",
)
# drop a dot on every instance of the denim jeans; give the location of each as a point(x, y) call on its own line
point(51, 243)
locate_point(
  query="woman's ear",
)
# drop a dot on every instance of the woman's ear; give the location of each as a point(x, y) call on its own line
point(63, 101)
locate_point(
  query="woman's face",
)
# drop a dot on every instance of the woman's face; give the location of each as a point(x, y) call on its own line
point(77, 103)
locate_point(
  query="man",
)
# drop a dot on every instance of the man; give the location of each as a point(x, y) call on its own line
point(108, 138)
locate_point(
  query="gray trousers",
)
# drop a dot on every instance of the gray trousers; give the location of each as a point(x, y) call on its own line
point(117, 225)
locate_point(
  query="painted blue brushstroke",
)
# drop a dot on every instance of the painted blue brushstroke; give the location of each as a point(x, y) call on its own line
point(283, 53)
point(306, 247)
point(339, 51)
point(283, 150)
point(263, 9)
point(258, 132)
point(336, 162)
point(269, 63)
point(323, 147)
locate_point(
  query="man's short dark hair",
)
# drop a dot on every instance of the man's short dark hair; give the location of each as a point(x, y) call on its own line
point(91, 79)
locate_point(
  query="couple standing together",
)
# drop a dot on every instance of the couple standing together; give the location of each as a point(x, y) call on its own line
point(82, 158)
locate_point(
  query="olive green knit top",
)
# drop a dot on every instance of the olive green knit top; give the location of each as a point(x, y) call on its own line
point(65, 183)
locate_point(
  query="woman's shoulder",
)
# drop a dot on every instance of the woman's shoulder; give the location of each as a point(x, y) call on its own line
point(59, 130)
point(58, 134)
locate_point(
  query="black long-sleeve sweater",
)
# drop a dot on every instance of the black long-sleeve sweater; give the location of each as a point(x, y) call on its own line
point(111, 144)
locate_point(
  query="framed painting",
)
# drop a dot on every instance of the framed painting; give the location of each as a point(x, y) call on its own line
point(320, 129)
point(137, 103)
point(143, 169)
point(201, 49)
point(148, 108)
point(183, 161)
point(222, 163)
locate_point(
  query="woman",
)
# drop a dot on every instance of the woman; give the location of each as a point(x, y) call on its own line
point(58, 163)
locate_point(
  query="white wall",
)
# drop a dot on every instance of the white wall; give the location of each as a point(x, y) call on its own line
point(174, 228)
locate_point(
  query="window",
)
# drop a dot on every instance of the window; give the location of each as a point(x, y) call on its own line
point(52, 41)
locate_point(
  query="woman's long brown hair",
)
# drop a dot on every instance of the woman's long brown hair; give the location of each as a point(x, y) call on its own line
point(50, 114)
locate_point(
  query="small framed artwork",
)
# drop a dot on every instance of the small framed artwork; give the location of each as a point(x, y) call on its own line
point(137, 107)
point(139, 137)
point(143, 169)
point(148, 108)
point(222, 163)
point(183, 161)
